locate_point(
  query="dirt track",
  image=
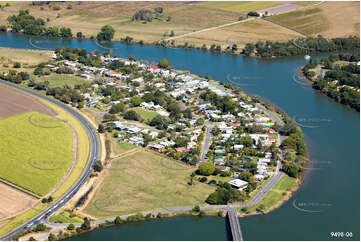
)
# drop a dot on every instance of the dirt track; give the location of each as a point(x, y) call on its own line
point(13, 102)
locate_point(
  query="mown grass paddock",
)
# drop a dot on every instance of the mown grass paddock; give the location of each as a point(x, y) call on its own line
point(36, 149)
point(60, 80)
point(146, 115)
point(144, 181)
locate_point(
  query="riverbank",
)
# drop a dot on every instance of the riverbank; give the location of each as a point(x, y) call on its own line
point(324, 146)
point(226, 90)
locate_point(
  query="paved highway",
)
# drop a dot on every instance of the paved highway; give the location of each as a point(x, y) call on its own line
point(94, 153)
point(271, 114)
point(207, 141)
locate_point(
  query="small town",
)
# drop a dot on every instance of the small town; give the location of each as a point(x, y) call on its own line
point(182, 116)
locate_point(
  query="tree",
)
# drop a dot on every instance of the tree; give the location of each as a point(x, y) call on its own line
point(79, 35)
point(164, 63)
point(117, 220)
point(71, 227)
point(136, 101)
point(106, 33)
point(117, 108)
point(207, 168)
point(291, 169)
point(101, 128)
point(39, 227)
point(98, 166)
point(131, 115)
point(17, 65)
point(52, 237)
point(158, 10)
point(86, 224)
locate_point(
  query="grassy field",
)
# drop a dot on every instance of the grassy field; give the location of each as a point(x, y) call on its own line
point(278, 192)
point(50, 151)
point(60, 80)
point(324, 19)
point(145, 114)
point(65, 217)
point(239, 7)
point(120, 147)
point(27, 58)
point(144, 181)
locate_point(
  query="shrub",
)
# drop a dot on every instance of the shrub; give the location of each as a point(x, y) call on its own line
point(196, 209)
point(71, 227)
point(164, 63)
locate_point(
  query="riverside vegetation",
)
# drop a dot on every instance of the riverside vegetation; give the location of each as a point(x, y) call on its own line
point(338, 77)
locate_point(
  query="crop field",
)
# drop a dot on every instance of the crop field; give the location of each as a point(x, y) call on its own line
point(147, 115)
point(60, 80)
point(241, 34)
point(13, 201)
point(82, 159)
point(13, 102)
point(36, 151)
point(325, 19)
point(239, 7)
point(143, 181)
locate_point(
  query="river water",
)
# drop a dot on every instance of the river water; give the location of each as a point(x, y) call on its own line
point(329, 199)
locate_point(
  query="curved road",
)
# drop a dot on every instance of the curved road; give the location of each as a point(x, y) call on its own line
point(94, 153)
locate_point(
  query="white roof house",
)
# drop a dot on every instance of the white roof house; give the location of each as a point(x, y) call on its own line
point(238, 183)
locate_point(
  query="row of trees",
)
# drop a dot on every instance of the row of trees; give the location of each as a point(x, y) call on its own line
point(301, 46)
point(28, 24)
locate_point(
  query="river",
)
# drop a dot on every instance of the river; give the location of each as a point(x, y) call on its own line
point(329, 199)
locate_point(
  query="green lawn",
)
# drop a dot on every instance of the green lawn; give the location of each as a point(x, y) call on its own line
point(147, 115)
point(60, 80)
point(239, 7)
point(120, 147)
point(64, 217)
point(49, 149)
point(143, 181)
point(277, 193)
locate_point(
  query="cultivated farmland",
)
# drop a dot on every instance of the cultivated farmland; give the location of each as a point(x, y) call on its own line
point(13, 102)
point(143, 181)
point(13, 201)
point(239, 7)
point(36, 151)
point(325, 19)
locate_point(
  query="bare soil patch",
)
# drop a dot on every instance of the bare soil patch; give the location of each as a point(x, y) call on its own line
point(13, 102)
point(13, 201)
